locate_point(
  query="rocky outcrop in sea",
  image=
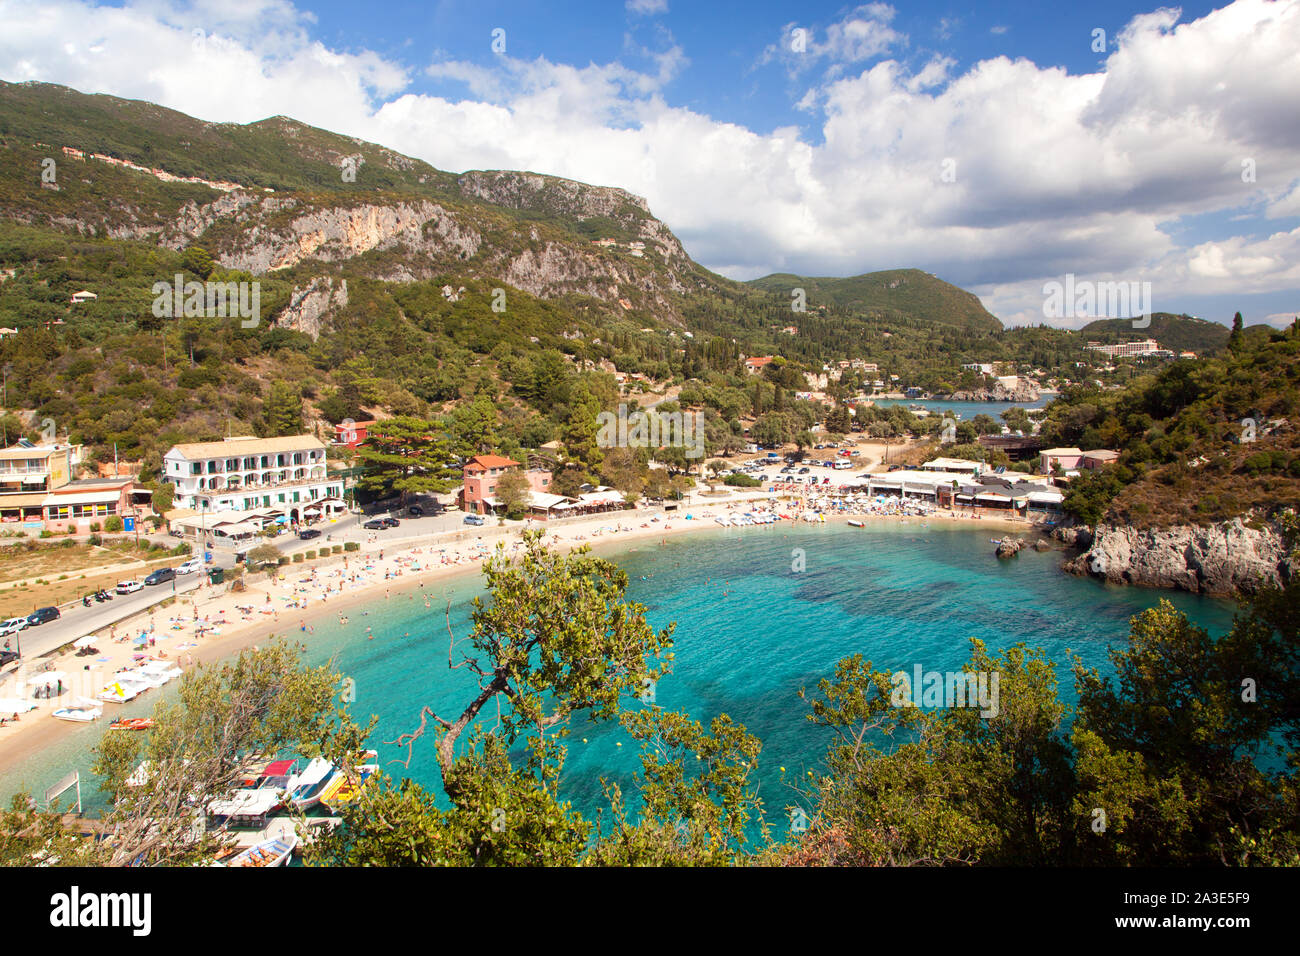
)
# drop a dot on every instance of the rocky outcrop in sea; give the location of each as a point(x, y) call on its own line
point(1022, 392)
point(1225, 559)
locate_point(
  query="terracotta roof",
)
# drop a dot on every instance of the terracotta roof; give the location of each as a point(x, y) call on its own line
point(484, 462)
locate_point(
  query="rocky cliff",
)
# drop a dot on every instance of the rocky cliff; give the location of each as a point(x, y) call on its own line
point(1224, 559)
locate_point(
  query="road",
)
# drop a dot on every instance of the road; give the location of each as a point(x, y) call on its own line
point(78, 620)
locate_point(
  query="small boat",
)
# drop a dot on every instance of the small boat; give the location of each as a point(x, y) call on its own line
point(268, 853)
point(855, 524)
point(80, 710)
point(316, 779)
point(132, 723)
point(342, 791)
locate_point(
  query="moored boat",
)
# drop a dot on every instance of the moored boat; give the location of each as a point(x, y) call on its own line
point(132, 723)
point(268, 853)
point(315, 779)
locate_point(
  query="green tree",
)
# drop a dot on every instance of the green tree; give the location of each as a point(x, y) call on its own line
point(513, 491)
point(282, 412)
point(405, 455)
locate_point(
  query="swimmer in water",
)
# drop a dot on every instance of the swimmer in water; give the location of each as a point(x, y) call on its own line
point(369, 635)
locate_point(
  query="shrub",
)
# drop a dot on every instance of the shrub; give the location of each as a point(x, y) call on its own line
point(113, 523)
point(310, 556)
point(338, 549)
point(351, 546)
point(94, 527)
point(297, 557)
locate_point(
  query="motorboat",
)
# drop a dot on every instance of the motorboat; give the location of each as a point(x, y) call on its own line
point(132, 723)
point(315, 779)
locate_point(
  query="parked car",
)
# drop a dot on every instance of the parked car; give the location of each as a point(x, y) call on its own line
point(12, 625)
point(129, 587)
point(474, 519)
point(803, 471)
point(375, 524)
point(415, 511)
point(190, 566)
point(389, 522)
point(7, 656)
point(306, 534)
point(41, 615)
point(160, 576)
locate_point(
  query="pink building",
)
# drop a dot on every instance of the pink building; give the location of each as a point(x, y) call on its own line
point(1067, 458)
point(483, 472)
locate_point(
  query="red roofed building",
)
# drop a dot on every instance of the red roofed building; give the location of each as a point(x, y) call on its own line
point(482, 472)
point(351, 434)
point(755, 365)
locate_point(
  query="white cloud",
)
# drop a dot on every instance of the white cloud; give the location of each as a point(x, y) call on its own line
point(647, 7)
point(1054, 173)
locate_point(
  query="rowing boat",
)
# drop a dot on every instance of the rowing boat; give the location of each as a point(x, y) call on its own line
point(266, 854)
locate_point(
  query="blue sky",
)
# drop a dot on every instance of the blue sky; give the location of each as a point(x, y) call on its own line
point(993, 144)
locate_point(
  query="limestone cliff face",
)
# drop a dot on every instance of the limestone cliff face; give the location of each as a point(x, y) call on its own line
point(1224, 559)
point(259, 233)
point(309, 306)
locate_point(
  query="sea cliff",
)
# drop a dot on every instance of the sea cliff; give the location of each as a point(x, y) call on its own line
point(1226, 559)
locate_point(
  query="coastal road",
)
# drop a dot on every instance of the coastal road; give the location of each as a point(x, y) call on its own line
point(78, 621)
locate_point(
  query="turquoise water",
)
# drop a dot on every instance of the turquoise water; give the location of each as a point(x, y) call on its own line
point(750, 633)
point(964, 411)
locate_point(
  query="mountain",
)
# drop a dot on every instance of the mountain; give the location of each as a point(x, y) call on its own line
point(280, 195)
point(1180, 333)
point(892, 294)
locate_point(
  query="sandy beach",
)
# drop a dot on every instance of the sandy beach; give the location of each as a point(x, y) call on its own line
point(215, 623)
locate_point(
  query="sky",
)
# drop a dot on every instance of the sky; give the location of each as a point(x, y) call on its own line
point(1002, 147)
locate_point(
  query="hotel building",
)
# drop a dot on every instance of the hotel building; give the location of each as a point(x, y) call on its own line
point(287, 475)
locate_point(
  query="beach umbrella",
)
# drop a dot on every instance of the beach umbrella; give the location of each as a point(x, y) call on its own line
point(82, 642)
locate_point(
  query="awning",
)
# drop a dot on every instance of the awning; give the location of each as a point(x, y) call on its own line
point(22, 501)
point(237, 530)
point(48, 679)
point(88, 641)
point(278, 768)
point(86, 498)
point(246, 803)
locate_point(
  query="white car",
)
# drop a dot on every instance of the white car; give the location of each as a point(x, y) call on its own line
point(129, 587)
point(190, 566)
point(13, 624)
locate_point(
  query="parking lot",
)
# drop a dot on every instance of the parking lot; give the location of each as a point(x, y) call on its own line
point(816, 468)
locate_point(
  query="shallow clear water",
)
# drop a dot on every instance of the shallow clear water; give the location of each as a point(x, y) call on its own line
point(750, 633)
